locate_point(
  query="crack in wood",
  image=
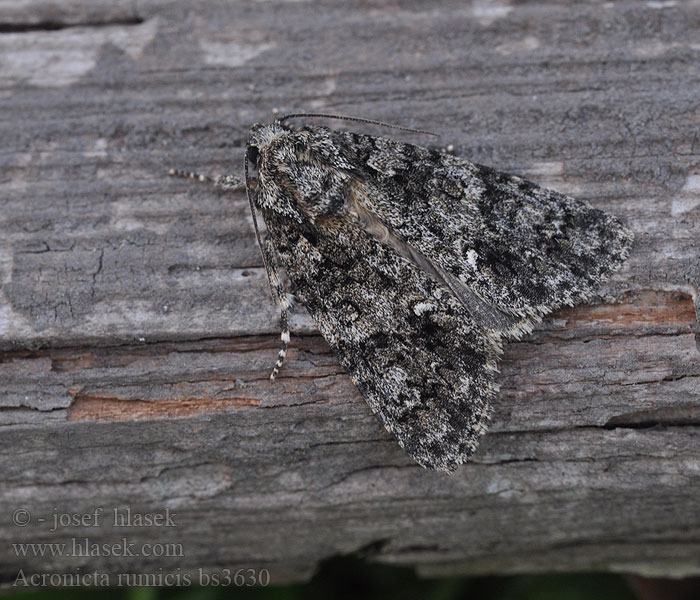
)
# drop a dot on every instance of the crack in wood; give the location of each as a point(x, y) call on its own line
point(50, 25)
point(373, 548)
point(676, 416)
point(104, 407)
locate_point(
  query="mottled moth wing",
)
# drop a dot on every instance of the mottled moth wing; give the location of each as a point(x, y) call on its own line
point(411, 348)
point(512, 250)
point(414, 264)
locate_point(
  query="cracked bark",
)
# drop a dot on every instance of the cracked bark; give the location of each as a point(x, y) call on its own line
point(137, 334)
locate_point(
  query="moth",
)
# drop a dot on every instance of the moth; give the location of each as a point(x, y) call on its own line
point(416, 266)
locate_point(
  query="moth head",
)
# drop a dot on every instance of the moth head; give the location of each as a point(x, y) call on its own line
point(296, 176)
point(260, 136)
point(261, 140)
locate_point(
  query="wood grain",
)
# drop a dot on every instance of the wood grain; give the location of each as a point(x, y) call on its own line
point(137, 334)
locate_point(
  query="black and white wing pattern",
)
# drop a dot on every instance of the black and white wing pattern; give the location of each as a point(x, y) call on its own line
point(410, 346)
point(522, 249)
point(415, 264)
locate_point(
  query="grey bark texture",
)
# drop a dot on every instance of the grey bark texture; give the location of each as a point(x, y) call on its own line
point(137, 333)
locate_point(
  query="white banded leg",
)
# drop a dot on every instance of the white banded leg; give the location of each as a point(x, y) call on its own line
point(284, 302)
point(284, 336)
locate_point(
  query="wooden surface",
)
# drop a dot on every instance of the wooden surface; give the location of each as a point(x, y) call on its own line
point(137, 335)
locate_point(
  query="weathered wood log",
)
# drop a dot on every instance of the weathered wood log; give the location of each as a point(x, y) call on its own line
point(137, 334)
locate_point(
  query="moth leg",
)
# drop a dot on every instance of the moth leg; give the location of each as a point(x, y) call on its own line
point(285, 303)
point(284, 336)
point(227, 182)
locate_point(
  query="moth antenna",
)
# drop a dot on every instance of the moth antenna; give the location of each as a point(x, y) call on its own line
point(191, 175)
point(358, 119)
point(228, 182)
point(254, 214)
